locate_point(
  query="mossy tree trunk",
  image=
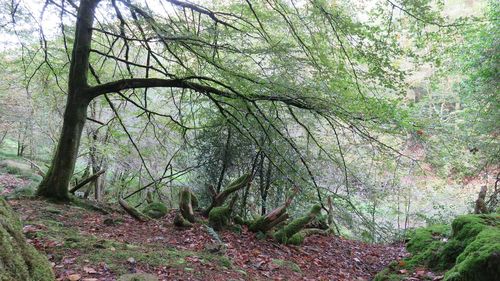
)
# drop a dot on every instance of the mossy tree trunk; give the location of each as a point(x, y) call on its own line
point(19, 261)
point(288, 231)
point(275, 217)
point(56, 181)
point(219, 198)
point(186, 205)
point(133, 212)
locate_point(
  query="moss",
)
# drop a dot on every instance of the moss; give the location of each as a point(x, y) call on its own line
point(426, 244)
point(19, 261)
point(194, 201)
point(185, 205)
point(116, 257)
point(218, 217)
point(287, 264)
point(28, 191)
point(239, 220)
point(471, 252)
point(389, 275)
point(155, 210)
point(257, 224)
point(480, 261)
point(238, 183)
point(296, 225)
point(138, 277)
point(421, 238)
point(296, 239)
point(180, 221)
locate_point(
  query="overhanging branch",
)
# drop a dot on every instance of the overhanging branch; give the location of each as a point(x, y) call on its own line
point(137, 83)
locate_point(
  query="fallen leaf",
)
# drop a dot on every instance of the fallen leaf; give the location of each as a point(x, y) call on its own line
point(74, 277)
point(89, 270)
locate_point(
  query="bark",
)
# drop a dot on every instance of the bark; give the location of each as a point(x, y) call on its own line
point(480, 207)
point(225, 160)
point(221, 197)
point(56, 182)
point(330, 211)
point(185, 205)
point(87, 180)
point(288, 231)
point(267, 222)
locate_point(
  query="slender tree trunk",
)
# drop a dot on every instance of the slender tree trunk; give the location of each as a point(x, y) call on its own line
point(55, 183)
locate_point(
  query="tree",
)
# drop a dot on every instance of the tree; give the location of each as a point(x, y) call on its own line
point(292, 58)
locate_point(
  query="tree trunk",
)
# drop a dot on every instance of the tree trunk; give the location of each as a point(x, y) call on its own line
point(55, 183)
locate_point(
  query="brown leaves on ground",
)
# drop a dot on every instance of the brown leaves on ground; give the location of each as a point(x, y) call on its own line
point(319, 258)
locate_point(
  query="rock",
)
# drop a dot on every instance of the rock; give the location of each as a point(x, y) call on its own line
point(19, 261)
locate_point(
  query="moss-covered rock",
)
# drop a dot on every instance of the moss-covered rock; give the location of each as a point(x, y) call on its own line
point(425, 246)
point(480, 260)
point(218, 217)
point(155, 210)
point(19, 261)
point(468, 251)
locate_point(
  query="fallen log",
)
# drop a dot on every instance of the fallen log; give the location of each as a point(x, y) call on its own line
point(85, 181)
point(133, 212)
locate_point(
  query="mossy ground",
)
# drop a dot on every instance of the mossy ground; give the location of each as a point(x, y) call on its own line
point(469, 250)
point(54, 228)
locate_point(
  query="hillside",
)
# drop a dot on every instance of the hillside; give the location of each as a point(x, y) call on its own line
point(86, 244)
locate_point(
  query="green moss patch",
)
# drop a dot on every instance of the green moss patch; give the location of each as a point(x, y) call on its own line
point(468, 251)
point(287, 264)
point(287, 232)
point(155, 210)
point(480, 260)
point(218, 217)
point(19, 261)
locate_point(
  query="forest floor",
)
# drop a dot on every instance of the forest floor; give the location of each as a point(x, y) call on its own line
point(87, 245)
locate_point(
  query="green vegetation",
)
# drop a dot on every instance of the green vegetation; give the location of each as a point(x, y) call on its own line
point(155, 210)
point(288, 264)
point(219, 217)
point(241, 115)
point(470, 250)
point(19, 261)
point(290, 233)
